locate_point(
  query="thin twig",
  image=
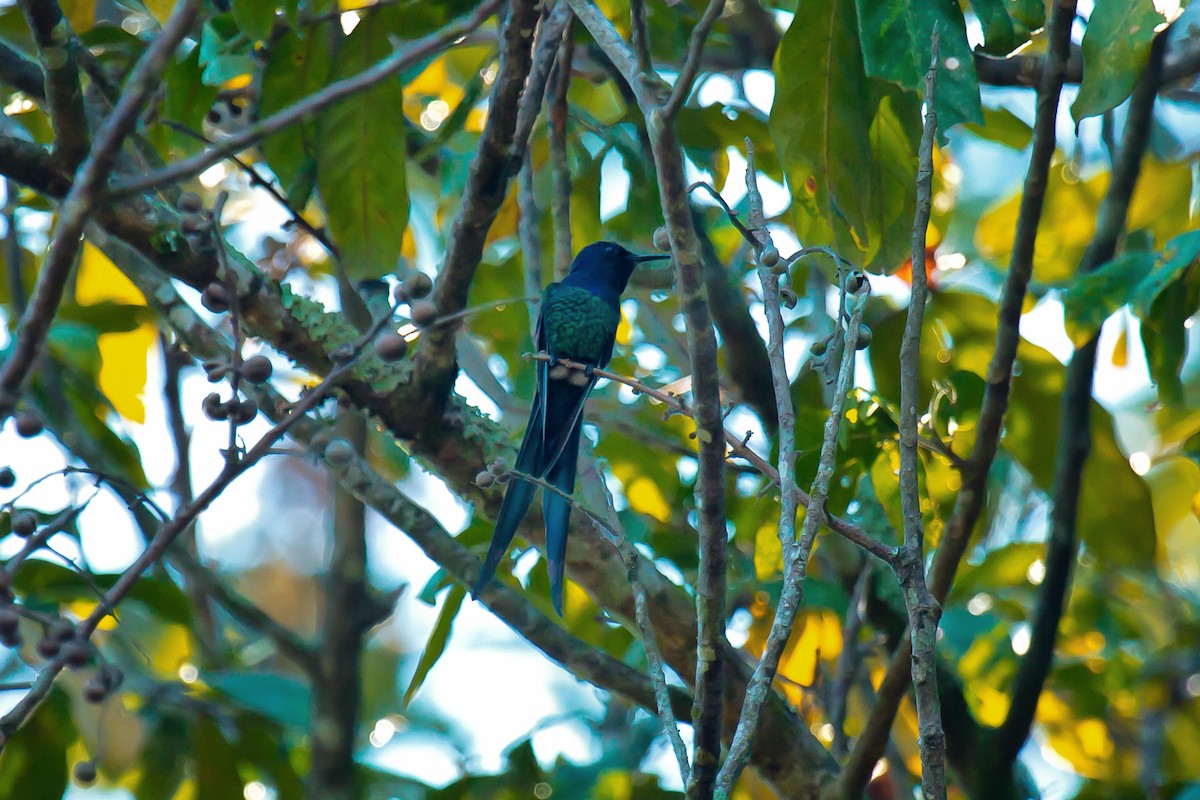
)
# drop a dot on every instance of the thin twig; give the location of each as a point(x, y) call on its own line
point(1074, 440)
point(923, 611)
point(691, 64)
point(560, 170)
point(531, 239)
point(57, 45)
point(793, 585)
point(871, 745)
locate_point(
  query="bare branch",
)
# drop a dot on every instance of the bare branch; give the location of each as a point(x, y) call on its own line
point(691, 65)
point(923, 611)
point(560, 170)
point(796, 556)
point(1074, 439)
point(56, 46)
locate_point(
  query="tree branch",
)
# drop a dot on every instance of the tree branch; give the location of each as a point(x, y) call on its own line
point(497, 159)
point(923, 610)
point(1074, 440)
point(870, 747)
point(796, 554)
point(560, 170)
point(56, 47)
point(21, 73)
point(691, 64)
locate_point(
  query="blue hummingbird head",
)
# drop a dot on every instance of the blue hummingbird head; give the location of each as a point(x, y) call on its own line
point(607, 265)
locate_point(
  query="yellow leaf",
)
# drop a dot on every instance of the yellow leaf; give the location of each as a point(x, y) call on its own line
point(645, 498)
point(80, 13)
point(768, 553)
point(160, 9)
point(100, 281)
point(123, 370)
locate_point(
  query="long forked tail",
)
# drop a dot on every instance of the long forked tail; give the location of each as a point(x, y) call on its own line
point(517, 499)
point(557, 513)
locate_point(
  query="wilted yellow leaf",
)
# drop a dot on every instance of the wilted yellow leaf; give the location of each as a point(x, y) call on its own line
point(100, 281)
point(645, 498)
point(123, 370)
point(768, 553)
point(160, 9)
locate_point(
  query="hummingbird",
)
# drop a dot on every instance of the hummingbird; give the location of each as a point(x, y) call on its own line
point(578, 322)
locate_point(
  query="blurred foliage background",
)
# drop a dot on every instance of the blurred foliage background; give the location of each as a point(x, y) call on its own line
point(453, 705)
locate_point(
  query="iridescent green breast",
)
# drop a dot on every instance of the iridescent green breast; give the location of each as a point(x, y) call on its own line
point(578, 325)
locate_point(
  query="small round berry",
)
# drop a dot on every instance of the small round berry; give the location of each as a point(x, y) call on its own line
point(85, 772)
point(856, 282)
point(257, 369)
point(7, 478)
point(864, 337)
point(243, 411)
point(10, 621)
point(112, 676)
point(497, 467)
point(48, 647)
point(391, 346)
point(400, 294)
point(779, 268)
point(24, 523)
point(485, 479)
point(423, 313)
point(769, 256)
point(215, 298)
point(75, 654)
point(62, 630)
point(95, 690)
point(190, 201)
point(214, 408)
point(193, 222)
point(339, 452)
point(11, 639)
point(215, 369)
point(28, 423)
point(417, 285)
point(819, 347)
point(662, 239)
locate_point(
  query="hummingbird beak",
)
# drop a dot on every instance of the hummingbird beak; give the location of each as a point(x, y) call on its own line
point(653, 257)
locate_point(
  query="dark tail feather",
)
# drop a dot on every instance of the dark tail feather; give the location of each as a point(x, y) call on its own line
point(557, 513)
point(517, 499)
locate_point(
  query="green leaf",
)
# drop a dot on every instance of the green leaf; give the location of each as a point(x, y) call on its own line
point(223, 51)
point(434, 586)
point(277, 697)
point(896, 47)
point(959, 334)
point(297, 67)
point(55, 583)
point(1004, 25)
point(895, 135)
point(1180, 253)
point(437, 640)
point(1116, 47)
point(361, 160)
point(820, 123)
point(255, 17)
point(33, 765)
point(216, 762)
point(1003, 127)
point(1094, 297)
point(186, 99)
